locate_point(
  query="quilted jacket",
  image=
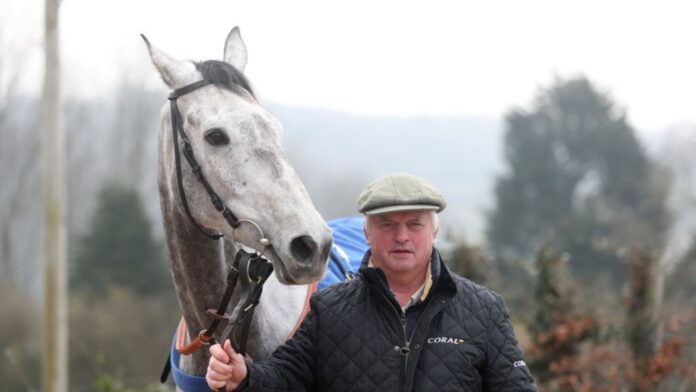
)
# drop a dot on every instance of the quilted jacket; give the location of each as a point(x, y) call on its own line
point(356, 338)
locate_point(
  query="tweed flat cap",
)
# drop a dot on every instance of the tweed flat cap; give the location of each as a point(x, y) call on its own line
point(399, 192)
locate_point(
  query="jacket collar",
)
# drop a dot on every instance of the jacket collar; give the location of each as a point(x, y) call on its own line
point(442, 279)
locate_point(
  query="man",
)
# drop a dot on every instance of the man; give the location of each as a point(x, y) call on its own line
point(406, 324)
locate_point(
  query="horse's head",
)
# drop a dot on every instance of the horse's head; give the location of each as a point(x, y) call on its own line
point(238, 147)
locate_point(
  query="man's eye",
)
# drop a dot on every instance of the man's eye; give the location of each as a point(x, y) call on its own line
point(216, 137)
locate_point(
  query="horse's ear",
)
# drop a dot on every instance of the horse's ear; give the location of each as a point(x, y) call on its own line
point(174, 73)
point(235, 50)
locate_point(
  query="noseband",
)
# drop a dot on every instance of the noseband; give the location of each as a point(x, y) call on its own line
point(178, 130)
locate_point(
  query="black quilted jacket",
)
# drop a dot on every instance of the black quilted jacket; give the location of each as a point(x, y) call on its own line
point(356, 338)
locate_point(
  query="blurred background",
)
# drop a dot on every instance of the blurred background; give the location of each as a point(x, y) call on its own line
point(561, 134)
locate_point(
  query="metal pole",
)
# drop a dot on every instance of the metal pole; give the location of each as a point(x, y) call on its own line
point(54, 323)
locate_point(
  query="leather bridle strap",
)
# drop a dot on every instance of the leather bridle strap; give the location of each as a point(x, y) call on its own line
point(178, 129)
point(206, 336)
point(253, 272)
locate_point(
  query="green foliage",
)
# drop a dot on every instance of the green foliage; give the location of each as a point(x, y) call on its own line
point(119, 341)
point(108, 383)
point(119, 249)
point(554, 293)
point(20, 339)
point(111, 383)
point(578, 177)
point(470, 261)
point(558, 330)
point(576, 350)
point(122, 309)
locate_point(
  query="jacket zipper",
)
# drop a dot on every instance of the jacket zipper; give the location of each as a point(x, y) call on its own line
point(404, 350)
point(408, 341)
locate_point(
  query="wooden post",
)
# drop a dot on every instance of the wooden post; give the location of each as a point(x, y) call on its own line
point(54, 323)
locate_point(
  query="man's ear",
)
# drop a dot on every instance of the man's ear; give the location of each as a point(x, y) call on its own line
point(366, 233)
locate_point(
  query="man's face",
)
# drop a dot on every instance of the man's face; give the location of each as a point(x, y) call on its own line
point(401, 241)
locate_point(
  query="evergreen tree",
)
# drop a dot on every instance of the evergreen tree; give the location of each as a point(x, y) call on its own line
point(120, 250)
point(578, 174)
point(471, 262)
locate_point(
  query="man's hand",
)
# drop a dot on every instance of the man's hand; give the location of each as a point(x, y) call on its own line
point(226, 368)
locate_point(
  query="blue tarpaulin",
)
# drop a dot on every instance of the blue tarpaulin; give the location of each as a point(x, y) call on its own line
point(348, 248)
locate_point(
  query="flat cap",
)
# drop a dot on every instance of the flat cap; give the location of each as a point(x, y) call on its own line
point(399, 192)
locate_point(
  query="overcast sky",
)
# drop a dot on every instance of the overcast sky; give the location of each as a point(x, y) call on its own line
point(385, 57)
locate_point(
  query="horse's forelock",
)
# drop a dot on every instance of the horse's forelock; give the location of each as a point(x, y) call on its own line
point(224, 75)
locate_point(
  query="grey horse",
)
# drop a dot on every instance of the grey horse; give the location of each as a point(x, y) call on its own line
point(238, 146)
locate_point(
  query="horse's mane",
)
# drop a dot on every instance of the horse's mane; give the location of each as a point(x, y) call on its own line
point(225, 75)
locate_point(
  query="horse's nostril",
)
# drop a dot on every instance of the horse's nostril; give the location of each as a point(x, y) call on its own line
point(303, 248)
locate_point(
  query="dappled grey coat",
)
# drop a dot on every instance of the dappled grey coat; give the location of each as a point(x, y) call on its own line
point(356, 338)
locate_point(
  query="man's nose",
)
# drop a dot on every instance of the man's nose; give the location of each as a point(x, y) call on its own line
point(401, 233)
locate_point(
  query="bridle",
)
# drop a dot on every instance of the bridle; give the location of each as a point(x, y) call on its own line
point(249, 269)
point(216, 200)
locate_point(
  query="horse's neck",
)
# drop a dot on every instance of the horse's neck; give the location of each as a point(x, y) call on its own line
point(275, 317)
point(199, 272)
point(198, 269)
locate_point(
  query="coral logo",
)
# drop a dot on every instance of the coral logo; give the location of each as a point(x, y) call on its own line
point(446, 340)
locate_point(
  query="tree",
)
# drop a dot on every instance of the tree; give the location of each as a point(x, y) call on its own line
point(470, 261)
point(558, 328)
point(55, 253)
point(120, 249)
point(578, 174)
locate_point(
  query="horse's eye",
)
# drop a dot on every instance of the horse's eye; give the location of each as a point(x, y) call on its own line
point(216, 137)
